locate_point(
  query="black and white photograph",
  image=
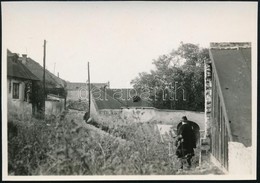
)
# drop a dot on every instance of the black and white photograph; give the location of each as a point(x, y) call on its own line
point(129, 90)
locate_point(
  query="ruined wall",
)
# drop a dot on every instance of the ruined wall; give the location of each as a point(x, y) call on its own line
point(240, 159)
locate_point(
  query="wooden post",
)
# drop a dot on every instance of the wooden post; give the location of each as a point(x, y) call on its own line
point(44, 92)
point(89, 94)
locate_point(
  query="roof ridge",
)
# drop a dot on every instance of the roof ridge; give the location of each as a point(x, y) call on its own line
point(230, 48)
point(24, 72)
point(229, 45)
point(53, 78)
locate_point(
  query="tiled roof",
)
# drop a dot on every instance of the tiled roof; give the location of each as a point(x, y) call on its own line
point(125, 96)
point(233, 67)
point(117, 98)
point(16, 69)
point(10, 54)
point(51, 80)
point(105, 102)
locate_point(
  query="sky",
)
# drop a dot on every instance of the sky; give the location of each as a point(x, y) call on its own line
point(118, 39)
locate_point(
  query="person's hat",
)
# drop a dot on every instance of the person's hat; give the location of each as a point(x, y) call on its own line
point(184, 118)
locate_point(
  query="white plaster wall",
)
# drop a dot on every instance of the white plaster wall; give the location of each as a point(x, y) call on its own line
point(146, 115)
point(18, 106)
point(138, 115)
point(174, 116)
point(239, 159)
point(54, 107)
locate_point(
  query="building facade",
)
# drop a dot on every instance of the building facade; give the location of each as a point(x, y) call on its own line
point(229, 106)
point(79, 91)
point(21, 87)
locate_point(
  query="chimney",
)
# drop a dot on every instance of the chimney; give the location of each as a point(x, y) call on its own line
point(24, 58)
point(58, 75)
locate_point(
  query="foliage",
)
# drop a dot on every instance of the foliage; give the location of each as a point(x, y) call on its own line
point(26, 146)
point(178, 80)
point(65, 145)
point(81, 105)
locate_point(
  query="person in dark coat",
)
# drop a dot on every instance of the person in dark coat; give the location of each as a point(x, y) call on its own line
point(186, 142)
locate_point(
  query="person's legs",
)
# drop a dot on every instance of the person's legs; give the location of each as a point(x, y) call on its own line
point(189, 161)
point(181, 163)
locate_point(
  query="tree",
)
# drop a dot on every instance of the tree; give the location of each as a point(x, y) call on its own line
point(178, 80)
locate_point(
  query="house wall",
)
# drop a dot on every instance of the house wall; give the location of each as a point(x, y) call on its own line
point(54, 107)
point(240, 159)
point(18, 107)
point(233, 157)
point(76, 95)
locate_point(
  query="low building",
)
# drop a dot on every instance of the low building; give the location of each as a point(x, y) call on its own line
point(53, 86)
point(230, 121)
point(21, 87)
point(79, 91)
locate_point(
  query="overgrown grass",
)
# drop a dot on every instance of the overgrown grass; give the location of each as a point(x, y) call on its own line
point(64, 145)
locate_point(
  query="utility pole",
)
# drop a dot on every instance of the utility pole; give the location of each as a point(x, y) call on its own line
point(89, 94)
point(44, 92)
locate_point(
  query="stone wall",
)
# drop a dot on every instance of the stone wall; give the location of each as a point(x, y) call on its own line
point(208, 94)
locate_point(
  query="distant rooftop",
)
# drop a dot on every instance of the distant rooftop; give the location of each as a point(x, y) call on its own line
point(118, 98)
point(79, 85)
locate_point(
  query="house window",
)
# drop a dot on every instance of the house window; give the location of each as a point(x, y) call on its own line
point(16, 90)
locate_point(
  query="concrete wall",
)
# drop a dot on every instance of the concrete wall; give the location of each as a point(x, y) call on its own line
point(239, 158)
point(18, 107)
point(143, 115)
point(138, 115)
point(54, 107)
point(174, 117)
